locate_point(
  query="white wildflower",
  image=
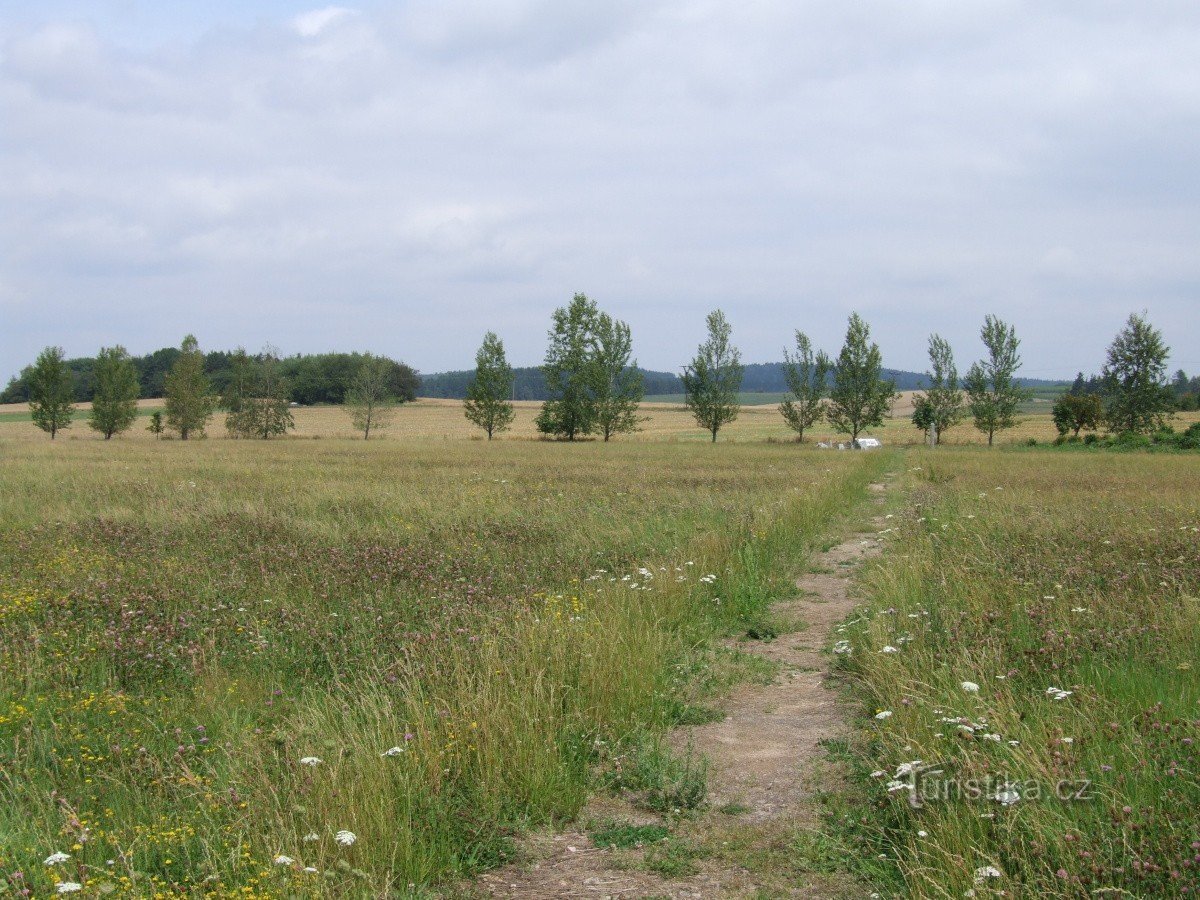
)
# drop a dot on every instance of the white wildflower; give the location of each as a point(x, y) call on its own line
point(843, 648)
point(312, 836)
point(392, 751)
point(922, 834)
point(883, 714)
point(311, 870)
point(55, 858)
point(345, 838)
point(1007, 795)
point(282, 860)
point(69, 887)
point(889, 649)
point(983, 873)
point(970, 687)
point(310, 761)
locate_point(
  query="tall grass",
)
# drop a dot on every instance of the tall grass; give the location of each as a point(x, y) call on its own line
point(1032, 641)
point(217, 657)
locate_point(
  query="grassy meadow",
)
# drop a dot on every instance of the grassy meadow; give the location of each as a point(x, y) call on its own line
point(334, 668)
point(1028, 670)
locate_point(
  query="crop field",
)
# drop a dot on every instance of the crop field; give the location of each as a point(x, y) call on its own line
point(1028, 669)
point(344, 669)
point(443, 420)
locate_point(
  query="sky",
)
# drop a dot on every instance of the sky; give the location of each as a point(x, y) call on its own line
point(401, 177)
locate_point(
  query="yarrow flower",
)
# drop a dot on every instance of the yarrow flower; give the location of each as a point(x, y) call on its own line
point(55, 858)
point(345, 838)
point(282, 860)
point(392, 751)
point(1058, 693)
point(843, 647)
point(883, 714)
point(970, 687)
point(310, 761)
point(889, 649)
point(312, 836)
point(983, 873)
point(69, 887)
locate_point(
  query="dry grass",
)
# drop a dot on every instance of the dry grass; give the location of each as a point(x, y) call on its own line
point(432, 419)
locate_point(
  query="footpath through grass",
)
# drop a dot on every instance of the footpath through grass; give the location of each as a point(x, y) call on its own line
point(347, 669)
point(1028, 668)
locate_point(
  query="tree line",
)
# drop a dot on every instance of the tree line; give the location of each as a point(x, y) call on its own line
point(594, 386)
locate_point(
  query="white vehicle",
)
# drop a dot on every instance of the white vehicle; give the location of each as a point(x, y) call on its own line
point(868, 443)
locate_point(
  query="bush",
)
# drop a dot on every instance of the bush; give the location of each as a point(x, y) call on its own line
point(1090, 439)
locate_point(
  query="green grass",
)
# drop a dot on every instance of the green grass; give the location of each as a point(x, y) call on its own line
point(1030, 574)
point(182, 624)
point(627, 835)
point(79, 415)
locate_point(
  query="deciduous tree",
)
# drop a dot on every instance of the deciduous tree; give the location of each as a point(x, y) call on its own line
point(619, 382)
point(807, 376)
point(993, 394)
point(51, 392)
point(572, 377)
point(1134, 379)
point(189, 400)
point(712, 381)
point(941, 405)
point(257, 397)
point(1074, 412)
point(488, 404)
point(114, 403)
point(370, 400)
point(860, 396)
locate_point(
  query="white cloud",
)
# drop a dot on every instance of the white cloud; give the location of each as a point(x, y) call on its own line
point(410, 178)
point(312, 23)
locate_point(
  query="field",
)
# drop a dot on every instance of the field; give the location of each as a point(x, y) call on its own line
point(1027, 667)
point(443, 420)
point(323, 667)
point(458, 632)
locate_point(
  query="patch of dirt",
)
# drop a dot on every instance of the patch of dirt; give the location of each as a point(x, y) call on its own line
point(764, 759)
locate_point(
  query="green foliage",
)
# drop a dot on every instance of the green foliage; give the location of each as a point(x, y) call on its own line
point(662, 780)
point(619, 381)
point(673, 858)
point(860, 397)
point(51, 394)
point(941, 405)
point(807, 376)
point(993, 394)
point(1075, 412)
point(114, 403)
point(257, 397)
point(370, 400)
point(712, 381)
point(626, 835)
point(487, 404)
point(156, 427)
point(1136, 396)
point(190, 401)
point(573, 380)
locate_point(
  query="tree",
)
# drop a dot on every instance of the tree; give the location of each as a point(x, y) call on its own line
point(370, 400)
point(572, 377)
point(487, 404)
point(992, 392)
point(51, 392)
point(114, 400)
point(1074, 412)
point(806, 376)
point(940, 407)
point(619, 382)
point(156, 424)
point(1136, 395)
point(189, 400)
point(712, 381)
point(257, 396)
point(860, 398)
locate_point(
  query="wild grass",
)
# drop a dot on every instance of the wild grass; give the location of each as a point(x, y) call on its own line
point(1027, 671)
point(333, 668)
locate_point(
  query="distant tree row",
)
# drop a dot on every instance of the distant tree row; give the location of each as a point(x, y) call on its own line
point(311, 378)
point(254, 392)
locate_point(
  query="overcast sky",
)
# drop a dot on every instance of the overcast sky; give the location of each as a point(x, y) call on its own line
point(401, 177)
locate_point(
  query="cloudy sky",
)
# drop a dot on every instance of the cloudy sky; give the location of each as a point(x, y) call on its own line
point(401, 177)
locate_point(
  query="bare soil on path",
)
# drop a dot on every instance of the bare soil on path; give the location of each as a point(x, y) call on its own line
point(765, 769)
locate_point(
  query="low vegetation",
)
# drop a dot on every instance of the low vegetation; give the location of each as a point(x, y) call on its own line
point(347, 668)
point(1026, 669)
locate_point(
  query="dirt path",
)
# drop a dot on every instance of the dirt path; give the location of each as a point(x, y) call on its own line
point(764, 763)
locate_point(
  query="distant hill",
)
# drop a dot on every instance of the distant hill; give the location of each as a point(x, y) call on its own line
point(760, 378)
